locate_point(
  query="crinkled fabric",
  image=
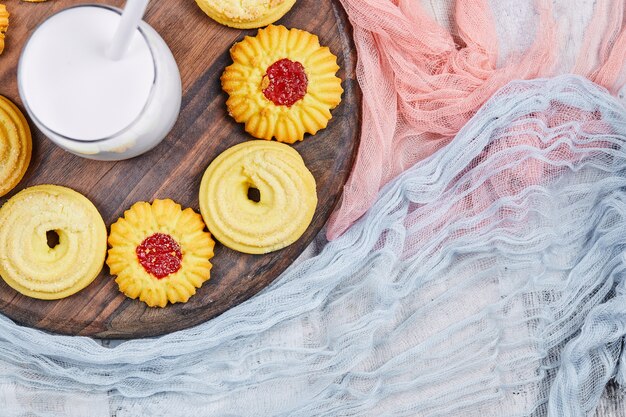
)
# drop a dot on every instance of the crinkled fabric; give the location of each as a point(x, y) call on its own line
point(425, 71)
point(487, 280)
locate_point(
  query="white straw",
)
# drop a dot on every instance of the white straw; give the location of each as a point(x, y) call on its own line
point(133, 12)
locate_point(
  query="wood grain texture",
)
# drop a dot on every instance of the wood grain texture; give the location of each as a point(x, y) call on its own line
point(174, 169)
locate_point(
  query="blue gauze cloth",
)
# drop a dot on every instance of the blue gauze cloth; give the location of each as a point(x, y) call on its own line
point(487, 280)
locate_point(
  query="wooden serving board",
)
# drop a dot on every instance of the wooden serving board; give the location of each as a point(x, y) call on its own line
point(174, 169)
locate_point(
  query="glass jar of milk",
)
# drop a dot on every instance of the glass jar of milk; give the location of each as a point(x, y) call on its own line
point(88, 104)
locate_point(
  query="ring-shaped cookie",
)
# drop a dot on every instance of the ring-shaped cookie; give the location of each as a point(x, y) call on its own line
point(246, 14)
point(15, 145)
point(286, 197)
point(29, 264)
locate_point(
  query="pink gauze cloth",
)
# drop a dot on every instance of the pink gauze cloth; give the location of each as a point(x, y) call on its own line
point(422, 81)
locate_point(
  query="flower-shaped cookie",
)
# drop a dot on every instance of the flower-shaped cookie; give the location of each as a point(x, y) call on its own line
point(160, 252)
point(282, 84)
point(4, 24)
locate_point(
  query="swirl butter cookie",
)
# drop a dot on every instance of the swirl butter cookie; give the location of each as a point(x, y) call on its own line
point(34, 267)
point(282, 84)
point(160, 253)
point(15, 145)
point(258, 197)
point(245, 14)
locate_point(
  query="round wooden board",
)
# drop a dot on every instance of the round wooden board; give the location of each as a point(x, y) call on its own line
point(174, 169)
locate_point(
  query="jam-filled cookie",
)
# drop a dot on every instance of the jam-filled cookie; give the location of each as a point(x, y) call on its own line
point(282, 84)
point(52, 242)
point(160, 253)
point(15, 145)
point(245, 14)
point(258, 197)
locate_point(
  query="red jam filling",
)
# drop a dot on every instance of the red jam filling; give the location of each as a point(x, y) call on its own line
point(285, 82)
point(160, 255)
